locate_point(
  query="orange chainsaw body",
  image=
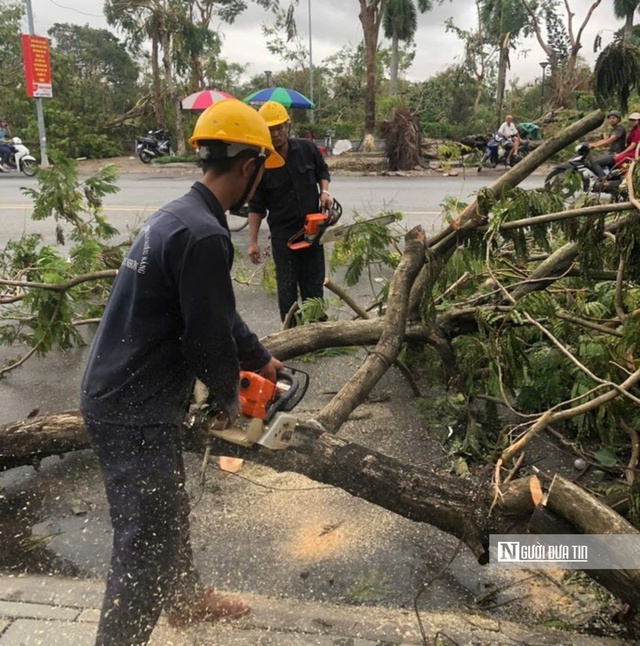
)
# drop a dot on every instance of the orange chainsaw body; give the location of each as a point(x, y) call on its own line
point(314, 225)
point(256, 394)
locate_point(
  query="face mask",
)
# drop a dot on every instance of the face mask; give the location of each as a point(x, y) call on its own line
point(259, 163)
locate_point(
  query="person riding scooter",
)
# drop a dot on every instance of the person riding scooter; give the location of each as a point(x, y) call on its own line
point(616, 138)
point(5, 146)
point(628, 152)
point(509, 131)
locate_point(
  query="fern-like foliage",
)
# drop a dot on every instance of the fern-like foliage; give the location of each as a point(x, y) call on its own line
point(617, 74)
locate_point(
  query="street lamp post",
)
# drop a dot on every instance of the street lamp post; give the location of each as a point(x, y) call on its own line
point(268, 73)
point(543, 65)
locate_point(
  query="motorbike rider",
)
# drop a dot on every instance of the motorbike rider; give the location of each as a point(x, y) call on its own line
point(627, 152)
point(509, 131)
point(5, 146)
point(616, 138)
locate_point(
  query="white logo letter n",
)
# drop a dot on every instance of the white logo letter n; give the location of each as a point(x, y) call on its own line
point(508, 551)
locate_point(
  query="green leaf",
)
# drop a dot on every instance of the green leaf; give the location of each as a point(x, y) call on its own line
point(606, 457)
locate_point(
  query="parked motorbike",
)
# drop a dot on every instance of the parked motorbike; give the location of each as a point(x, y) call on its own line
point(498, 148)
point(156, 144)
point(578, 174)
point(21, 159)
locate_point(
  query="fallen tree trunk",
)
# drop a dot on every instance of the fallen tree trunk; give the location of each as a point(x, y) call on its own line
point(444, 501)
point(570, 509)
point(457, 506)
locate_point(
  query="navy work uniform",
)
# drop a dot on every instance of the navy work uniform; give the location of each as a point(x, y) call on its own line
point(288, 194)
point(171, 317)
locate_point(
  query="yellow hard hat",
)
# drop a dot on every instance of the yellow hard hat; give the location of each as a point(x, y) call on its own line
point(234, 122)
point(273, 113)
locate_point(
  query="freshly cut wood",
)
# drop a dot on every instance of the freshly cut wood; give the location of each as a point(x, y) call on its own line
point(520, 497)
point(590, 516)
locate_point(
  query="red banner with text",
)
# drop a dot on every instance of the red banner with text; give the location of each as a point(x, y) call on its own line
point(37, 68)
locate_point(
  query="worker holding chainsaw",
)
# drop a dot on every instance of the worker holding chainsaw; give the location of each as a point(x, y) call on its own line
point(171, 317)
point(286, 195)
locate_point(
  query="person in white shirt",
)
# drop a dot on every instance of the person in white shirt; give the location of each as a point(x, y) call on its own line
point(509, 131)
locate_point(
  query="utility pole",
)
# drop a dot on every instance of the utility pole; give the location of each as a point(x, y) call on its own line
point(312, 112)
point(44, 160)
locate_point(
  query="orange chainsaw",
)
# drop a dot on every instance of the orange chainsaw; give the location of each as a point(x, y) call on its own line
point(320, 228)
point(264, 407)
point(315, 225)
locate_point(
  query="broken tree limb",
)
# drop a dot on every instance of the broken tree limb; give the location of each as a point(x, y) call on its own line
point(303, 339)
point(355, 391)
point(559, 262)
point(556, 415)
point(587, 211)
point(589, 516)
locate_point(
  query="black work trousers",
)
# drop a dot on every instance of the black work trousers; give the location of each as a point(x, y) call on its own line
point(152, 563)
point(299, 269)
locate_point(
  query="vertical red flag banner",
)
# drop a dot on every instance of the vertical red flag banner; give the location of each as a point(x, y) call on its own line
point(37, 68)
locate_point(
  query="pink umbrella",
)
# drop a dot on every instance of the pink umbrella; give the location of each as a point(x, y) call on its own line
point(202, 99)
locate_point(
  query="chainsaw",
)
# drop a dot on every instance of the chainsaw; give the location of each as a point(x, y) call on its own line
point(264, 407)
point(320, 228)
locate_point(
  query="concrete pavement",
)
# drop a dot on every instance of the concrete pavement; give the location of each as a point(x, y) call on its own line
point(47, 611)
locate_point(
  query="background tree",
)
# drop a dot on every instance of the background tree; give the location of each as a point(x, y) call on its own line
point(617, 70)
point(503, 21)
point(625, 9)
point(400, 22)
point(371, 12)
point(139, 22)
point(479, 55)
point(94, 76)
point(560, 42)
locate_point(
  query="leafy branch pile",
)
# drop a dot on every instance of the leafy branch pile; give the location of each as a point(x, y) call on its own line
point(47, 289)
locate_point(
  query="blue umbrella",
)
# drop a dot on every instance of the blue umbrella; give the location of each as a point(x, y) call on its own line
point(284, 96)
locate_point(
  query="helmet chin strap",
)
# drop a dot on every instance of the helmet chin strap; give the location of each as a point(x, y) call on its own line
point(259, 163)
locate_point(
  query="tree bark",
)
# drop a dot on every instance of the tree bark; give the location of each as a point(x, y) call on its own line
point(370, 15)
point(393, 66)
point(355, 391)
point(161, 121)
point(587, 515)
point(503, 62)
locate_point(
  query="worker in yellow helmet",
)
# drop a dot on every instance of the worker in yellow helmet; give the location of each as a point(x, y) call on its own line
point(171, 317)
point(285, 196)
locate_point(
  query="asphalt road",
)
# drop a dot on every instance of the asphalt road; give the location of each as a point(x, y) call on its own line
point(419, 198)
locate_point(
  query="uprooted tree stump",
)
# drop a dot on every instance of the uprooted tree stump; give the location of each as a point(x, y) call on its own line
point(402, 140)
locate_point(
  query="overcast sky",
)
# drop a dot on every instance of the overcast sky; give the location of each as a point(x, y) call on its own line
point(334, 24)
